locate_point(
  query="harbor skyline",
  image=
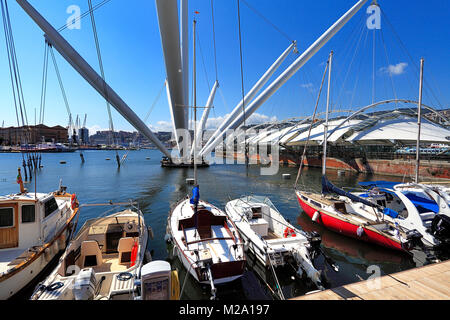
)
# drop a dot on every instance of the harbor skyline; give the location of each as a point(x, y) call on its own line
point(140, 74)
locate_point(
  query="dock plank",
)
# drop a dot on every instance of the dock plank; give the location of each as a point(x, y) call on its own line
point(430, 282)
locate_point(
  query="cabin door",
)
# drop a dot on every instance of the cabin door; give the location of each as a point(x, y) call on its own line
point(9, 225)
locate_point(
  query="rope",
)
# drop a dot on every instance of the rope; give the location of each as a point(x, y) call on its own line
point(311, 125)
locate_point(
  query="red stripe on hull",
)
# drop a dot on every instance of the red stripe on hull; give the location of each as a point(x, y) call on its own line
point(349, 229)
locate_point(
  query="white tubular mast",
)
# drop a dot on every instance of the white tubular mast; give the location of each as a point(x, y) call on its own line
point(90, 75)
point(167, 11)
point(286, 75)
point(325, 131)
point(199, 134)
point(251, 94)
point(419, 121)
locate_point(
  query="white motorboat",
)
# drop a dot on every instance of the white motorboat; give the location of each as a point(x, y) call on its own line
point(34, 228)
point(272, 239)
point(414, 206)
point(102, 262)
point(206, 242)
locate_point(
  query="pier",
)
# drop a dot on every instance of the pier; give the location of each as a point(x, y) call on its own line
point(431, 282)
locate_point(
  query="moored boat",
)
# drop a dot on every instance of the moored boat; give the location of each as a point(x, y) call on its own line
point(273, 240)
point(34, 228)
point(207, 242)
point(102, 262)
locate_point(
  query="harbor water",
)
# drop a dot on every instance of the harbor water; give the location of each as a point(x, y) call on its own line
point(142, 179)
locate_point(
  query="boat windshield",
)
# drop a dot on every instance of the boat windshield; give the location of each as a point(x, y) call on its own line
point(257, 200)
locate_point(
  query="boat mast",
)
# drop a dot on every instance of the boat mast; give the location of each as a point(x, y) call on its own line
point(194, 89)
point(419, 108)
point(325, 132)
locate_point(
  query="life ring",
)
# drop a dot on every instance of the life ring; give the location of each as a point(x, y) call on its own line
point(134, 253)
point(73, 201)
point(289, 232)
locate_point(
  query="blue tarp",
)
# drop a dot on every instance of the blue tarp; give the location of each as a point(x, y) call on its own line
point(328, 187)
point(422, 204)
point(379, 183)
point(195, 195)
point(390, 212)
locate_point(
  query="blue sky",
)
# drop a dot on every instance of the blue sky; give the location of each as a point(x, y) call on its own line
point(134, 65)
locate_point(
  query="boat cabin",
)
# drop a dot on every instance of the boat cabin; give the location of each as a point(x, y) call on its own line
point(26, 220)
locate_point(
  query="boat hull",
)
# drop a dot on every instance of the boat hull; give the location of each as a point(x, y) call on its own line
point(347, 228)
point(12, 284)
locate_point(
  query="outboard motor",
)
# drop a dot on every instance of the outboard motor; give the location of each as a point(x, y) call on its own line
point(440, 228)
point(85, 285)
point(155, 281)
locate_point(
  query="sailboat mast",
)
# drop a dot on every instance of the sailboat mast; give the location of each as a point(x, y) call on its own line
point(419, 124)
point(325, 132)
point(194, 88)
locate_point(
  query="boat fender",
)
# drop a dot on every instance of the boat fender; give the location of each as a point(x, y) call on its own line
point(315, 216)
point(360, 231)
point(134, 251)
point(73, 201)
point(289, 232)
point(124, 276)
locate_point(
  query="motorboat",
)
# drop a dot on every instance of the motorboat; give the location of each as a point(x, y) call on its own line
point(413, 206)
point(272, 239)
point(102, 262)
point(207, 242)
point(34, 229)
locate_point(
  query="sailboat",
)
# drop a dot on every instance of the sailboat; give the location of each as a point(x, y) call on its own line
point(206, 241)
point(350, 214)
point(34, 228)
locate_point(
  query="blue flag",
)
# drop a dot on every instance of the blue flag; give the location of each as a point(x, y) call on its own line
point(195, 195)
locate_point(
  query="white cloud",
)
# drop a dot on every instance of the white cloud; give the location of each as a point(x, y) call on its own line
point(95, 128)
point(395, 70)
point(165, 126)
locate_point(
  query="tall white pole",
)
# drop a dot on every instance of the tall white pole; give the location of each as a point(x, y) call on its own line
point(325, 131)
point(419, 120)
point(90, 75)
point(194, 89)
point(287, 74)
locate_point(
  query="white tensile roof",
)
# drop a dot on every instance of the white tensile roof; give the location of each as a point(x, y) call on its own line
point(402, 129)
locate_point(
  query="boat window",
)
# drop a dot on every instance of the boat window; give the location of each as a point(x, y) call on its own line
point(28, 213)
point(315, 203)
point(6, 217)
point(340, 206)
point(50, 207)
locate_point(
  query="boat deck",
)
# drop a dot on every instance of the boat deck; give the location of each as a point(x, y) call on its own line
point(431, 282)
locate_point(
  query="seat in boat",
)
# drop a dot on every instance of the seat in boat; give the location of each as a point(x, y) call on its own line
point(125, 246)
point(91, 256)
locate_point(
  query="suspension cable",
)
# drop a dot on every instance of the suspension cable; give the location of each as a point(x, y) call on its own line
point(214, 38)
point(242, 82)
point(44, 84)
point(284, 34)
point(97, 6)
point(100, 62)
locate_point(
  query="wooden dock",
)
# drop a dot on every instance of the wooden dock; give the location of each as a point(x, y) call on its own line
point(431, 282)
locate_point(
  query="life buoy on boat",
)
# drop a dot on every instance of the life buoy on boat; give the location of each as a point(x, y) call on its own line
point(289, 232)
point(73, 201)
point(134, 253)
